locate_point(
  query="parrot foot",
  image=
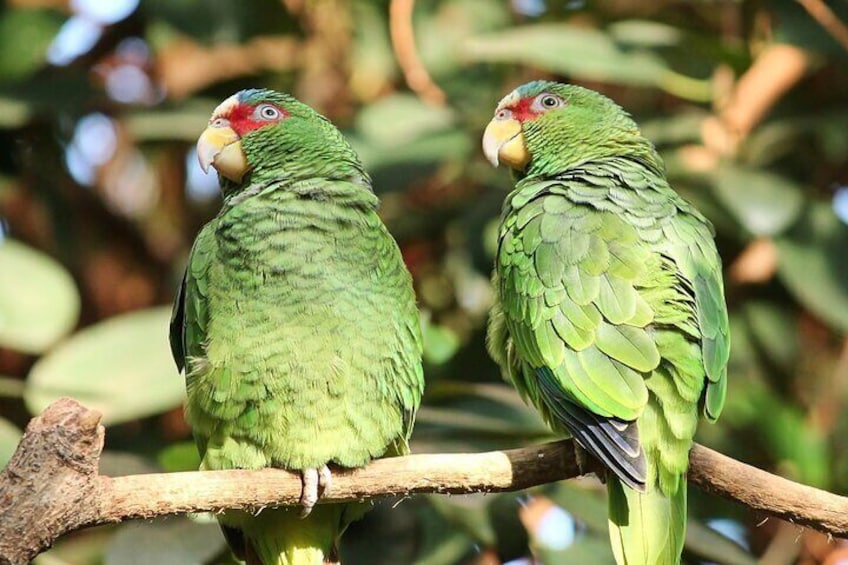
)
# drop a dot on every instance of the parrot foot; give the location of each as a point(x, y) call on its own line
point(316, 483)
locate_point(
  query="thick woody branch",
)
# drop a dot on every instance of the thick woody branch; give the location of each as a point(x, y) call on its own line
point(51, 485)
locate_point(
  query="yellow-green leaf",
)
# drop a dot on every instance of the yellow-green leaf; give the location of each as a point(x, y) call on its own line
point(39, 302)
point(121, 367)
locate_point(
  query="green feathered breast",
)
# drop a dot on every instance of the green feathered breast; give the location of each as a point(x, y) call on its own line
point(297, 329)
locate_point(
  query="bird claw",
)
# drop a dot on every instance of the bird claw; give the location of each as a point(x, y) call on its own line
point(316, 483)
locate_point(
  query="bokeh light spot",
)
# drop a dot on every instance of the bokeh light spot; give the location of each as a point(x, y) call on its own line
point(530, 8)
point(556, 529)
point(76, 36)
point(104, 12)
point(840, 203)
point(730, 529)
point(128, 83)
point(200, 186)
point(93, 144)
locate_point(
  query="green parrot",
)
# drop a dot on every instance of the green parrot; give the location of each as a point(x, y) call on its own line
point(296, 323)
point(610, 315)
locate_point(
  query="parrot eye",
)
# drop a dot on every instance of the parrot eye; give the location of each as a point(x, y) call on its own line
point(503, 114)
point(220, 123)
point(267, 112)
point(546, 101)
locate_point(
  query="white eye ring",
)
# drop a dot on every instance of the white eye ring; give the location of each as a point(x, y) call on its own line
point(503, 114)
point(547, 101)
point(267, 112)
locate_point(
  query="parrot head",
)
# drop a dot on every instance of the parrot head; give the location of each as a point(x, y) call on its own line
point(263, 134)
point(543, 128)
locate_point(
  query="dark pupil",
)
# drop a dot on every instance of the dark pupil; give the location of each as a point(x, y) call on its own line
point(548, 101)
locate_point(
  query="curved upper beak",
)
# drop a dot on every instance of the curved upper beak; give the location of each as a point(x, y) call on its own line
point(220, 147)
point(503, 141)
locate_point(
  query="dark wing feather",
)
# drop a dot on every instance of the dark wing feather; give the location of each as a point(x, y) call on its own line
point(612, 440)
point(177, 326)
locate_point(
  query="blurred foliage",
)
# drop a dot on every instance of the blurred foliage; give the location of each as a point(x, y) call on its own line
point(100, 199)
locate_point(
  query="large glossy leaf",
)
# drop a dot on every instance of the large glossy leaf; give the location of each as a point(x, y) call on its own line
point(39, 302)
point(399, 134)
point(812, 263)
point(774, 327)
point(567, 49)
point(121, 367)
point(468, 416)
point(440, 33)
point(765, 203)
point(400, 118)
point(178, 541)
point(10, 435)
point(583, 53)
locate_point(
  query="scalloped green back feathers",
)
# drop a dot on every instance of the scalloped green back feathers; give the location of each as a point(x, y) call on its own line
point(611, 317)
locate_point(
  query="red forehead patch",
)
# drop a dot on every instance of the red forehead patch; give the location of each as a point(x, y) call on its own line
point(243, 122)
point(522, 111)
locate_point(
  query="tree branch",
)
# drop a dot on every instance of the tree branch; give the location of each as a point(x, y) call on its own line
point(406, 53)
point(51, 485)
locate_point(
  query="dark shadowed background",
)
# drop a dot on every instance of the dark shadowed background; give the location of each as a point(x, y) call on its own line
point(101, 102)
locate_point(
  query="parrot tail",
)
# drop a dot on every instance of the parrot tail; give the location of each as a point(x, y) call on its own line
point(646, 528)
point(280, 536)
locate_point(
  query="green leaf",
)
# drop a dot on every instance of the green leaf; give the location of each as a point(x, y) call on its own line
point(775, 330)
point(811, 262)
point(440, 343)
point(39, 302)
point(121, 367)
point(399, 135)
point(800, 446)
point(711, 546)
point(182, 456)
point(387, 535)
point(400, 118)
point(765, 203)
point(674, 129)
point(469, 515)
point(584, 53)
point(183, 124)
point(373, 64)
point(10, 435)
point(595, 550)
point(459, 415)
point(11, 387)
point(178, 541)
point(439, 539)
point(567, 49)
point(645, 32)
point(441, 30)
point(25, 36)
point(588, 505)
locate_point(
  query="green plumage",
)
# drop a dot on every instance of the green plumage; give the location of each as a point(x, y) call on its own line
point(297, 328)
point(610, 316)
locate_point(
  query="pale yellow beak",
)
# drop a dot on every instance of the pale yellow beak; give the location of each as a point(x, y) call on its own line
point(503, 141)
point(220, 147)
